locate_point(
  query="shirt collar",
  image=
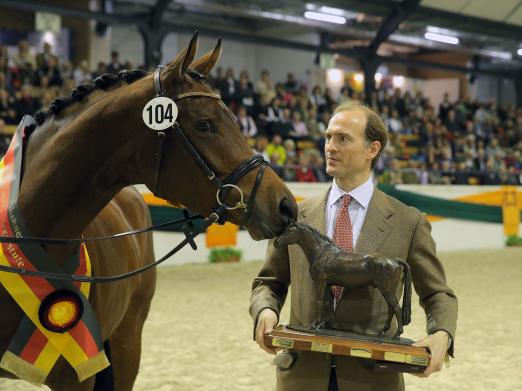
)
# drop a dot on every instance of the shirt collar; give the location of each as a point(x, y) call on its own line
point(362, 194)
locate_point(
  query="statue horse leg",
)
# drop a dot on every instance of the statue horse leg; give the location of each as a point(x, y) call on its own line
point(387, 289)
point(391, 312)
point(324, 304)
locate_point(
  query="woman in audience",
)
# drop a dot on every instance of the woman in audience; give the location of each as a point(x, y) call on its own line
point(246, 123)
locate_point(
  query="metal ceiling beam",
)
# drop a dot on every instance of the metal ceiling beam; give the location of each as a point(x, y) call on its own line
point(32, 6)
point(370, 64)
point(157, 11)
point(359, 53)
point(397, 16)
point(452, 20)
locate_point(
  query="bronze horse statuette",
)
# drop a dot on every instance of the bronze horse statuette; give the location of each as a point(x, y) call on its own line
point(79, 162)
point(330, 265)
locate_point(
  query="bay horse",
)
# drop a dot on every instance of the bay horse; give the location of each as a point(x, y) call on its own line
point(330, 265)
point(78, 166)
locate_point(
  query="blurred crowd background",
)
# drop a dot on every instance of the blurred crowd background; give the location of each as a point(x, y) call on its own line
point(459, 142)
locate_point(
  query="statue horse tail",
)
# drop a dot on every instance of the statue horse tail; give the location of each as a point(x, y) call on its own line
point(406, 299)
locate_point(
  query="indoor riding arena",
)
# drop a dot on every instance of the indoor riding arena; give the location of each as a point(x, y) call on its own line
point(152, 148)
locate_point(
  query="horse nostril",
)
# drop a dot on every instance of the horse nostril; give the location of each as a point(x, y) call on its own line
point(287, 210)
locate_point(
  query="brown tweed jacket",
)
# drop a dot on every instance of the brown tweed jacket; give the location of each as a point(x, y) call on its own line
point(390, 228)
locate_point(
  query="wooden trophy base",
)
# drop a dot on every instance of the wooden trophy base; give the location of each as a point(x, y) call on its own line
point(388, 355)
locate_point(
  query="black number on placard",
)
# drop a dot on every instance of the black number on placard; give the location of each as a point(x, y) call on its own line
point(160, 112)
point(168, 112)
point(149, 110)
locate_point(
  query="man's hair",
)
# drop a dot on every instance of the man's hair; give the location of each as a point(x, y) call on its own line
point(375, 128)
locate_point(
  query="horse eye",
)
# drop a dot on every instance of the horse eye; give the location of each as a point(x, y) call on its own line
point(204, 126)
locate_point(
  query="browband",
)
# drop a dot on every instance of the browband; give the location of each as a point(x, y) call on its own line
point(196, 93)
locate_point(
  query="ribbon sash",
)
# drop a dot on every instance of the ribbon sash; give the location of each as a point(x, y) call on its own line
point(34, 349)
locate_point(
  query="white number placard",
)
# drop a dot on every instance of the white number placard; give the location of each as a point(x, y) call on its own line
point(160, 113)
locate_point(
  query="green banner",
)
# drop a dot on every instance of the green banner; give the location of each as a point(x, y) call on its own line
point(446, 208)
point(162, 214)
point(427, 204)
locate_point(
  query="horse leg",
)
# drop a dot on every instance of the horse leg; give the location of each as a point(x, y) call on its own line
point(63, 378)
point(387, 325)
point(327, 305)
point(389, 296)
point(322, 300)
point(125, 344)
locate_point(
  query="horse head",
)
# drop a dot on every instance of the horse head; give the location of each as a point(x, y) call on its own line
point(258, 198)
point(290, 236)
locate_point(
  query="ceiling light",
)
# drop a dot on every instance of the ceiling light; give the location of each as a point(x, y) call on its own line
point(331, 11)
point(442, 38)
point(324, 17)
point(519, 52)
point(497, 54)
point(439, 30)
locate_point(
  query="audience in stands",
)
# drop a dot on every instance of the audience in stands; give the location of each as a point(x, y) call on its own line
point(463, 142)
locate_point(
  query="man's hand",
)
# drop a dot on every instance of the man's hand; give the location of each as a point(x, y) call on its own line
point(437, 343)
point(266, 322)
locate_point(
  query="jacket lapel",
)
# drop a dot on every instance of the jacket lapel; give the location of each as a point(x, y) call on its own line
point(315, 214)
point(376, 226)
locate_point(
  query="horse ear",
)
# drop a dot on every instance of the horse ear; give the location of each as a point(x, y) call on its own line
point(185, 58)
point(205, 64)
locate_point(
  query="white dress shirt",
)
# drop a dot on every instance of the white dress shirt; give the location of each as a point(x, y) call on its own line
point(357, 209)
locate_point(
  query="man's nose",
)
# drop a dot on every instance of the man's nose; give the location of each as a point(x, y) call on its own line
point(330, 146)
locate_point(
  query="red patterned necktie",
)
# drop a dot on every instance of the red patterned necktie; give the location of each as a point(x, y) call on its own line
point(343, 237)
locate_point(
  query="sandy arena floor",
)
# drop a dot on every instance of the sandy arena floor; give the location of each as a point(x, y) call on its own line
point(198, 336)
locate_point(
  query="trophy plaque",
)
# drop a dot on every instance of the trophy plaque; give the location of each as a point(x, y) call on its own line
point(388, 356)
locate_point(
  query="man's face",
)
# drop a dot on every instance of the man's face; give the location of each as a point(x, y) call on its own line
point(348, 154)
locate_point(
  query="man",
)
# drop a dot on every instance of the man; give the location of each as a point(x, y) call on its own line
point(43, 58)
point(355, 138)
point(115, 65)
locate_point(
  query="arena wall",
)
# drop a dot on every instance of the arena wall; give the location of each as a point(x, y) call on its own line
point(449, 234)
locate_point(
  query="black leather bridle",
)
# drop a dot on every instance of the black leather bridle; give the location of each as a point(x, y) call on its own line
point(218, 214)
point(223, 186)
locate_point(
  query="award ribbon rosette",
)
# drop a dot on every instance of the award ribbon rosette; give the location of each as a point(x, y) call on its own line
point(58, 319)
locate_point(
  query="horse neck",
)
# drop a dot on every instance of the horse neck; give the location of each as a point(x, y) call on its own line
point(311, 244)
point(73, 168)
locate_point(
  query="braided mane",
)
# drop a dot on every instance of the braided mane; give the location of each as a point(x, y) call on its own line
point(79, 93)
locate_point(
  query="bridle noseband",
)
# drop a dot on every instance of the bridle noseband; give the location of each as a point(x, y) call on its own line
point(225, 186)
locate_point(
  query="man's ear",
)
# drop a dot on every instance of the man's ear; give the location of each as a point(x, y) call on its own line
point(375, 148)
